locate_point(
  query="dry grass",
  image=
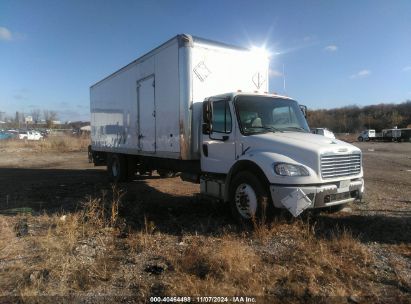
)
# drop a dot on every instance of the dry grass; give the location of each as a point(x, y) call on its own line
point(154, 245)
point(61, 143)
point(293, 266)
point(93, 251)
point(61, 254)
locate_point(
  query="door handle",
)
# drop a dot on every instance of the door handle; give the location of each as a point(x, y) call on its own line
point(140, 136)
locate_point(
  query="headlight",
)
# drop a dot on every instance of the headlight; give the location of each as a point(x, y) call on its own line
point(285, 169)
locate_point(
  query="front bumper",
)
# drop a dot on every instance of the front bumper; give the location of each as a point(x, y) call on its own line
point(298, 198)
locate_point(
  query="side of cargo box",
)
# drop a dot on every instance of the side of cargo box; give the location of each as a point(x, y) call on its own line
point(136, 110)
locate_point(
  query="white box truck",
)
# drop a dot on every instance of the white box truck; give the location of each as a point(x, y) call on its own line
point(201, 108)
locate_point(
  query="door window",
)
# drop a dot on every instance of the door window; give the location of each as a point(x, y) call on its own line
point(221, 119)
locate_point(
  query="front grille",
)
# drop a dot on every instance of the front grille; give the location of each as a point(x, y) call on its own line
point(337, 165)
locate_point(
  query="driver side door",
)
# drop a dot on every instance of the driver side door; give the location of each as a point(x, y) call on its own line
point(218, 147)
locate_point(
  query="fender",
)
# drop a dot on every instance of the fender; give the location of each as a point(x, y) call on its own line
point(261, 163)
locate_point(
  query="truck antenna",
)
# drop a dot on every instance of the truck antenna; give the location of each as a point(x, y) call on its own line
point(285, 92)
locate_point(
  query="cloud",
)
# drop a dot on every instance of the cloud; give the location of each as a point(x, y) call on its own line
point(407, 68)
point(63, 104)
point(331, 48)
point(361, 74)
point(19, 96)
point(308, 38)
point(5, 34)
point(275, 73)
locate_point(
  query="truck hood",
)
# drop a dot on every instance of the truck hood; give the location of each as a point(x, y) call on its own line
point(304, 148)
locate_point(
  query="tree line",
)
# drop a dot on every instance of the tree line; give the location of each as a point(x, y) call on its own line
point(352, 119)
point(37, 116)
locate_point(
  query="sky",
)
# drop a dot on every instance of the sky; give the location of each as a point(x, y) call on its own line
point(330, 53)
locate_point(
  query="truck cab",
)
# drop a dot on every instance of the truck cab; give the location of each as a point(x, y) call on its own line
point(257, 153)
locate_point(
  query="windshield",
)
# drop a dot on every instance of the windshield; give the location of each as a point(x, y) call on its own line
point(258, 114)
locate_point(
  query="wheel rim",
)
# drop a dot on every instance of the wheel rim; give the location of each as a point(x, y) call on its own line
point(245, 201)
point(114, 167)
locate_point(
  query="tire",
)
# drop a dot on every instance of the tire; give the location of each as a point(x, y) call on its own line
point(249, 199)
point(90, 154)
point(360, 138)
point(117, 168)
point(165, 173)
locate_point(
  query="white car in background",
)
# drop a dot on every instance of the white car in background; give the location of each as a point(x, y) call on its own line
point(30, 135)
point(323, 131)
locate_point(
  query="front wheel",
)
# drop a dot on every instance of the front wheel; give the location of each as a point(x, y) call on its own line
point(360, 138)
point(249, 199)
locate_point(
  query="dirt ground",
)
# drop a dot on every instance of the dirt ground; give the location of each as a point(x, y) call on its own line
point(51, 184)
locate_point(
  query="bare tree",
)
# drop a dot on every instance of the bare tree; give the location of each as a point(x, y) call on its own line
point(35, 114)
point(49, 117)
point(396, 118)
point(354, 118)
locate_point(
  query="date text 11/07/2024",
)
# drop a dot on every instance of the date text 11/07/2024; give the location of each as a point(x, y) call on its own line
point(235, 299)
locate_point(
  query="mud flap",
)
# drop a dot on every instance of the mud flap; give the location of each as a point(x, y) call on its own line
point(296, 202)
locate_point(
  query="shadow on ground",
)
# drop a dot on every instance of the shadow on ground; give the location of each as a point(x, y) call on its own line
point(367, 228)
point(58, 190)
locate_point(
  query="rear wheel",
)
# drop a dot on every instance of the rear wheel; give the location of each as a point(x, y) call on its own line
point(165, 173)
point(90, 154)
point(249, 199)
point(117, 168)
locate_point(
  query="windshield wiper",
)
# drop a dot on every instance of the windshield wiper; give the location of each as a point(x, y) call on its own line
point(297, 128)
point(273, 129)
point(265, 129)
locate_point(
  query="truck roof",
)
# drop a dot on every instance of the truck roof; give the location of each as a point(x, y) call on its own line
point(239, 93)
point(182, 40)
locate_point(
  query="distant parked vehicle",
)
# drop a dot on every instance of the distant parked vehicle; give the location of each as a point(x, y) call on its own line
point(367, 135)
point(323, 131)
point(30, 135)
point(44, 133)
point(6, 135)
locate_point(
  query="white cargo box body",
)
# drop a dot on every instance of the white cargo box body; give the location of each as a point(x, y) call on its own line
point(149, 106)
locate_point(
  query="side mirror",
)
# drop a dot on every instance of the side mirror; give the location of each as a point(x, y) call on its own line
point(304, 110)
point(207, 116)
point(206, 128)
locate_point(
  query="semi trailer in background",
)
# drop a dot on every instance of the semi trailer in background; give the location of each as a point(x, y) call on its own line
point(202, 108)
point(388, 135)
